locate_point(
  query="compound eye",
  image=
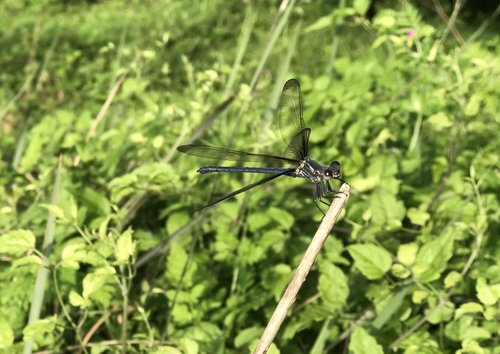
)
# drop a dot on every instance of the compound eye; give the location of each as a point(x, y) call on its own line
point(328, 173)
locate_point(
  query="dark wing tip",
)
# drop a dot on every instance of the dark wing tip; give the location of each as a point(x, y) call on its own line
point(291, 83)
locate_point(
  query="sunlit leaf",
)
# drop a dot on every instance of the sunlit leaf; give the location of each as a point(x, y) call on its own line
point(17, 242)
point(363, 343)
point(371, 260)
point(432, 257)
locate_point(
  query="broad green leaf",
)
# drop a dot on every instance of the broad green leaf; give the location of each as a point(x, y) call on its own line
point(176, 262)
point(322, 22)
point(440, 313)
point(176, 221)
point(249, 252)
point(77, 300)
point(258, 220)
point(418, 296)
point(17, 242)
point(125, 247)
point(274, 239)
point(432, 258)
point(487, 294)
point(31, 260)
point(417, 216)
point(332, 286)
point(400, 271)
point(472, 106)
point(32, 153)
point(277, 279)
point(386, 210)
point(74, 253)
point(361, 6)
point(246, 336)
point(475, 332)
point(439, 121)
point(469, 307)
point(54, 209)
point(6, 334)
point(283, 217)
point(456, 328)
point(385, 19)
point(179, 267)
point(407, 253)
point(188, 346)
point(95, 201)
point(471, 347)
point(363, 343)
point(94, 282)
point(166, 349)
point(372, 261)
point(451, 279)
point(40, 328)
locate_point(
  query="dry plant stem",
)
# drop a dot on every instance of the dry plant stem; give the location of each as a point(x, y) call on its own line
point(302, 270)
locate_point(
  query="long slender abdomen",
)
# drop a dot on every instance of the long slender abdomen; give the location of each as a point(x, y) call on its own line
point(266, 170)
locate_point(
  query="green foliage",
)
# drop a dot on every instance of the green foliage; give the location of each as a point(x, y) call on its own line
point(408, 103)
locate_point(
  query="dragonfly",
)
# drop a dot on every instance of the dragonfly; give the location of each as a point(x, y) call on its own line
point(294, 161)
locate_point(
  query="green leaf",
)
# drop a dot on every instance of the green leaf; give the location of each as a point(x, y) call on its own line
point(166, 349)
point(471, 347)
point(176, 221)
point(258, 220)
point(432, 258)
point(487, 294)
point(73, 253)
point(94, 282)
point(469, 307)
point(361, 6)
point(125, 247)
point(188, 346)
point(440, 313)
point(473, 105)
point(40, 328)
point(372, 261)
point(452, 278)
point(386, 210)
point(54, 209)
point(332, 286)
point(283, 217)
point(417, 216)
point(322, 22)
point(17, 242)
point(474, 332)
point(385, 19)
point(176, 265)
point(95, 201)
point(407, 253)
point(30, 260)
point(274, 239)
point(390, 308)
point(439, 121)
point(277, 278)
point(362, 343)
point(6, 334)
point(246, 336)
point(77, 300)
point(418, 296)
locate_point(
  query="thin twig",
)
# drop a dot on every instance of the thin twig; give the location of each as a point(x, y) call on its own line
point(302, 270)
point(439, 9)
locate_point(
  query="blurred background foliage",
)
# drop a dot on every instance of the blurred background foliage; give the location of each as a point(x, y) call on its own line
point(100, 250)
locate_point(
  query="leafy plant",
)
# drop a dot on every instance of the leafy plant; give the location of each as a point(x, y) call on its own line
point(99, 247)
